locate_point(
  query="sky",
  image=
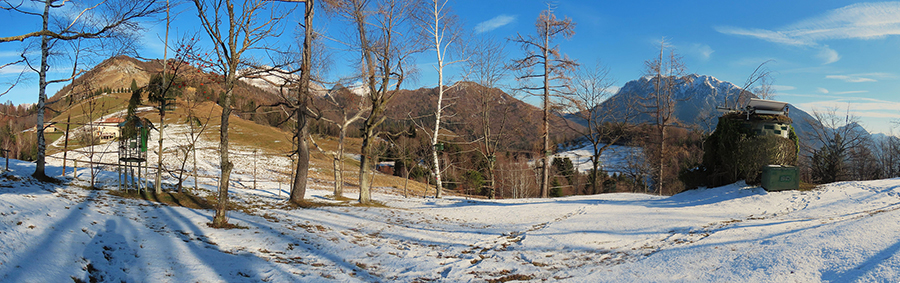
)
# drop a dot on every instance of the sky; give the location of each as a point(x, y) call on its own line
point(824, 54)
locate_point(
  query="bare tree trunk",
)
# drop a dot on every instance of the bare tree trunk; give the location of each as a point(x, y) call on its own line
point(438, 185)
point(66, 144)
point(545, 170)
point(406, 181)
point(339, 165)
point(298, 192)
point(159, 154)
point(162, 110)
point(221, 219)
point(364, 164)
point(554, 64)
point(437, 31)
point(42, 96)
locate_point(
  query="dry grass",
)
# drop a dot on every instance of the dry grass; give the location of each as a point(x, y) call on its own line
point(79, 112)
point(247, 134)
point(804, 186)
point(185, 199)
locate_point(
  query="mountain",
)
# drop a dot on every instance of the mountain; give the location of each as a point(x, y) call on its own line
point(462, 116)
point(697, 97)
point(523, 121)
point(113, 77)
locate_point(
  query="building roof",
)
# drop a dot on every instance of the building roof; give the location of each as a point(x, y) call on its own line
point(113, 120)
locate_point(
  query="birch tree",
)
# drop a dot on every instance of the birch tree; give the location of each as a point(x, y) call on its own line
point(440, 27)
point(544, 62)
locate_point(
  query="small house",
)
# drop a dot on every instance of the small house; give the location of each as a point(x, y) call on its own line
point(108, 129)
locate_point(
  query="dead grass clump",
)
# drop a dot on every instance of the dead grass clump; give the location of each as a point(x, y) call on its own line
point(184, 199)
point(313, 204)
point(227, 226)
point(513, 277)
point(804, 186)
point(372, 203)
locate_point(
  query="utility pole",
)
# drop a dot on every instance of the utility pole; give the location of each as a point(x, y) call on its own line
point(6, 156)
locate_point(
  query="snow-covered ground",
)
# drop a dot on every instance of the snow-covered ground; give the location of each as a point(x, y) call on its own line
point(613, 160)
point(840, 232)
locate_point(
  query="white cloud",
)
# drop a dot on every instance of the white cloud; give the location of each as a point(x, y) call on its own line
point(851, 78)
point(702, 51)
point(9, 54)
point(857, 21)
point(767, 35)
point(783, 87)
point(828, 55)
point(13, 69)
point(862, 77)
point(851, 92)
point(859, 106)
point(494, 23)
point(821, 90)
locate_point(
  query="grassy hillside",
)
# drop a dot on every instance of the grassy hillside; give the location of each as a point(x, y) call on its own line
point(243, 134)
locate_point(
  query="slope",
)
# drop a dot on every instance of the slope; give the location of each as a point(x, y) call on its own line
point(522, 122)
point(838, 232)
point(258, 147)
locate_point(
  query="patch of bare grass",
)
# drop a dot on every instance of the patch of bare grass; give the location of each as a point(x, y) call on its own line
point(184, 199)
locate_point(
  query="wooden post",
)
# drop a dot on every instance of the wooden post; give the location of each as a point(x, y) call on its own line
point(6, 156)
point(132, 180)
point(147, 173)
point(255, 157)
point(140, 183)
point(66, 145)
point(119, 173)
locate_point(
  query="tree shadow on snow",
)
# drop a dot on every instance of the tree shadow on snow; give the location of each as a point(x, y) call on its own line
point(860, 271)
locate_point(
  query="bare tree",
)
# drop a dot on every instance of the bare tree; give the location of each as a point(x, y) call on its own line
point(518, 176)
point(758, 83)
point(833, 139)
point(90, 135)
point(113, 19)
point(540, 52)
point(197, 124)
point(301, 106)
point(11, 84)
point(486, 68)
point(351, 108)
point(604, 125)
point(162, 91)
point(233, 31)
point(385, 51)
point(668, 72)
point(636, 167)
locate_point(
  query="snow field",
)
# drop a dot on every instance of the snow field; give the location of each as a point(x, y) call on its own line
point(840, 232)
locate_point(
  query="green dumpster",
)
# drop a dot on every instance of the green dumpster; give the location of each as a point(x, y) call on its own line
point(780, 178)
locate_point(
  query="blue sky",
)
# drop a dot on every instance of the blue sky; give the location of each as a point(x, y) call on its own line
point(826, 53)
